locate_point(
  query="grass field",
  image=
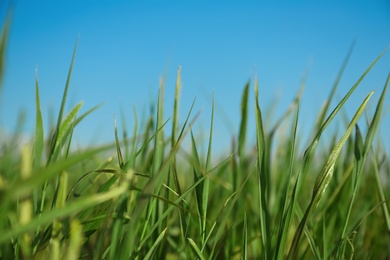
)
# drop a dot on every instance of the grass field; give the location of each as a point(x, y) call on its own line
point(146, 197)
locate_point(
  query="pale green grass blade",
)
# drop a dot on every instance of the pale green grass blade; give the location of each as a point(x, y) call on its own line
point(69, 209)
point(324, 178)
point(40, 175)
point(196, 249)
point(59, 203)
point(25, 204)
point(75, 241)
point(153, 248)
point(64, 130)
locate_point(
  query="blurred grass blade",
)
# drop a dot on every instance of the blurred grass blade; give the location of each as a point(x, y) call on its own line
point(3, 47)
point(75, 241)
point(69, 209)
point(40, 175)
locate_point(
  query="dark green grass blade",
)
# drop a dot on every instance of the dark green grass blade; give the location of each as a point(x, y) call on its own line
point(381, 192)
point(118, 148)
point(324, 178)
point(153, 248)
point(245, 240)
point(225, 213)
point(3, 47)
point(283, 226)
point(376, 120)
point(38, 146)
point(244, 121)
point(262, 177)
point(143, 199)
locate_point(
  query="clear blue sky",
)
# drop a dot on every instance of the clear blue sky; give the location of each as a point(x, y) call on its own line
point(126, 46)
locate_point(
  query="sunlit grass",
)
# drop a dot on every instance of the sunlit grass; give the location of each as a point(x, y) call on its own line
point(146, 197)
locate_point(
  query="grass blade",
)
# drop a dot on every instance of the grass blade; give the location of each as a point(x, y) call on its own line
point(324, 178)
point(196, 249)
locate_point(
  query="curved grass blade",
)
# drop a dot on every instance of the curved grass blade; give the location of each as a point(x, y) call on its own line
point(324, 178)
point(361, 155)
point(325, 109)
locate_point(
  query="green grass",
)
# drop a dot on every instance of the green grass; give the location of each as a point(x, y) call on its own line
point(146, 197)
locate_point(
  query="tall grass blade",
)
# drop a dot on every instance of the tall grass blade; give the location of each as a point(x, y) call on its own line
point(361, 154)
point(262, 177)
point(62, 108)
point(3, 47)
point(287, 210)
point(244, 121)
point(38, 146)
point(324, 178)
